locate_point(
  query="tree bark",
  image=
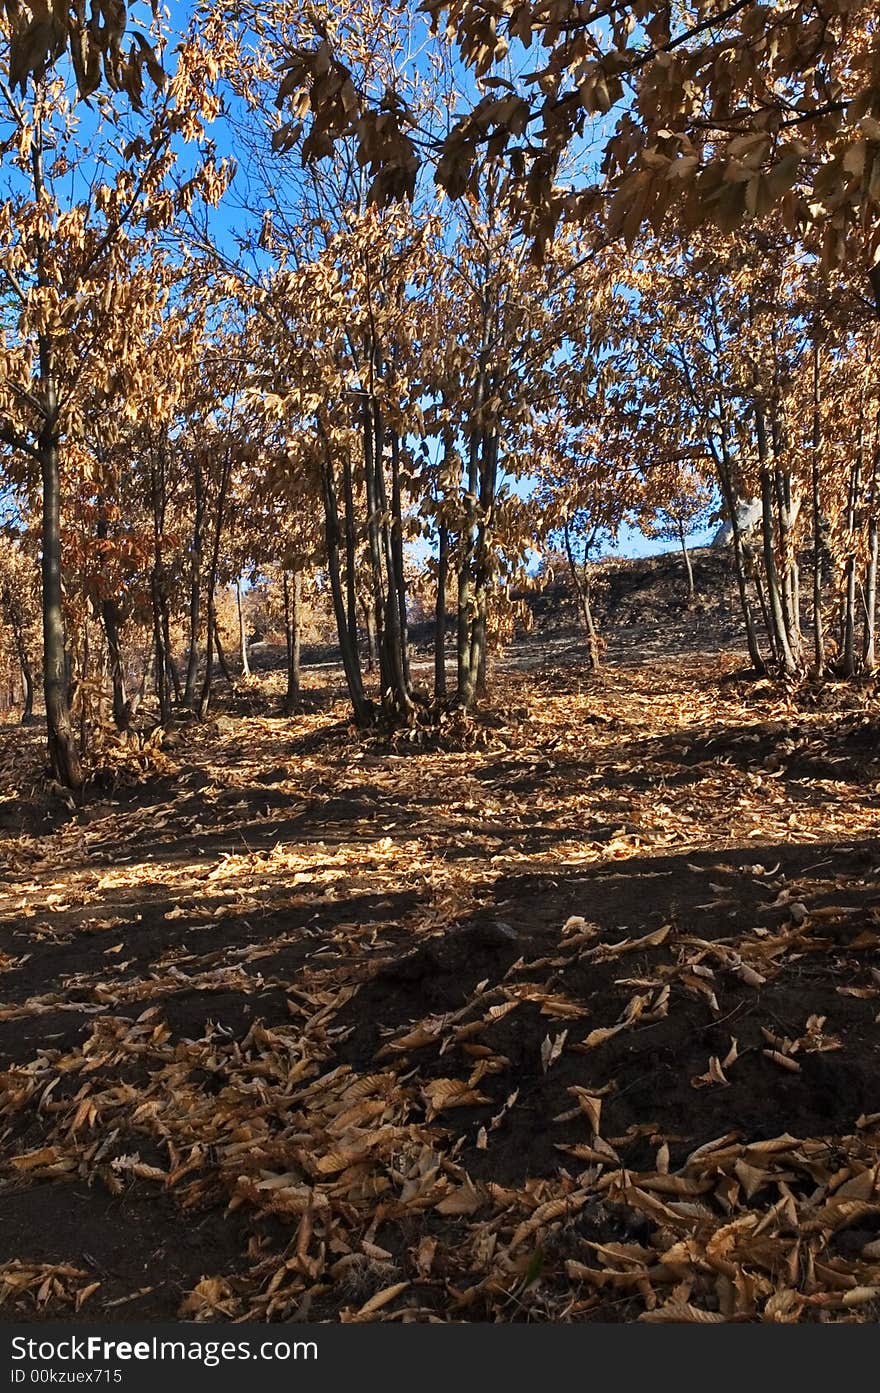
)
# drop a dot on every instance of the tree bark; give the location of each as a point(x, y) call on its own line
point(192, 664)
point(869, 649)
point(27, 679)
point(440, 616)
point(687, 561)
point(581, 583)
point(110, 618)
point(774, 591)
point(870, 643)
point(818, 626)
point(848, 637)
point(292, 634)
point(63, 753)
point(213, 632)
point(160, 665)
point(362, 707)
point(242, 636)
point(369, 613)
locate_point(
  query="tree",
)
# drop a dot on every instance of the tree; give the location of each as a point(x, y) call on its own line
point(686, 506)
point(80, 313)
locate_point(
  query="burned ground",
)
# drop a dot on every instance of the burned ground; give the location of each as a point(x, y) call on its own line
point(567, 1013)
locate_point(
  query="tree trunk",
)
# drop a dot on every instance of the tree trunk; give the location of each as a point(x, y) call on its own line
point(208, 679)
point(467, 548)
point(869, 649)
point(774, 591)
point(160, 666)
point(350, 553)
point(17, 624)
point(192, 664)
point(388, 593)
point(27, 682)
point(370, 630)
point(63, 752)
point(242, 636)
point(292, 634)
point(870, 643)
point(221, 654)
point(84, 673)
point(170, 665)
point(848, 636)
point(213, 632)
point(463, 613)
point(724, 470)
point(818, 626)
point(440, 617)
point(110, 618)
point(687, 561)
point(149, 664)
point(362, 707)
point(396, 559)
point(121, 709)
point(581, 583)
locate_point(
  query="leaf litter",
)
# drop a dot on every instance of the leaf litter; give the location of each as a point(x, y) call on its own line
point(575, 1020)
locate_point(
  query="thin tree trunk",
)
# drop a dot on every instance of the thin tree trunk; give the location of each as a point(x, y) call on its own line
point(818, 626)
point(208, 679)
point(27, 676)
point(774, 592)
point(762, 605)
point(121, 709)
point(440, 616)
point(362, 707)
point(221, 655)
point(242, 636)
point(63, 752)
point(789, 586)
point(581, 585)
point(467, 548)
point(368, 428)
point(350, 552)
point(463, 614)
point(110, 618)
point(480, 629)
point(170, 664)
point(869, 649)
point(723, 465)
point(292, 634)
point(870, 642)
point(160, 666)
point(192, 664)
point(370, 630)
point(396, 549)
point(848, 644)
point(687, 561)
point(213, 632)
point(149, 664)
point(84, 672)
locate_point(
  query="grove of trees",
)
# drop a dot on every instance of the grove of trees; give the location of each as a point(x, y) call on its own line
point(385, 296)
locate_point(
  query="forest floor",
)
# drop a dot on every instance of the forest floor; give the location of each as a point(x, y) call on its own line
point(569, 1014)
